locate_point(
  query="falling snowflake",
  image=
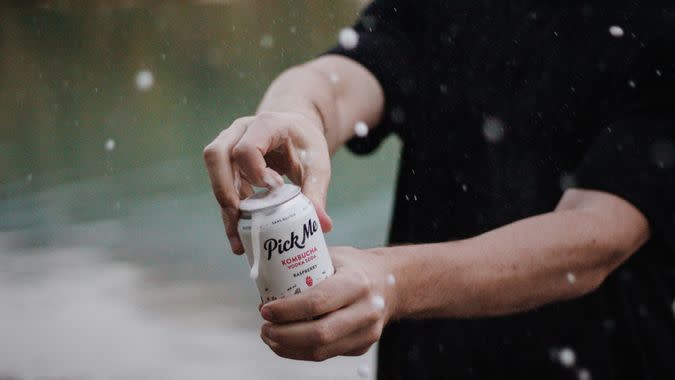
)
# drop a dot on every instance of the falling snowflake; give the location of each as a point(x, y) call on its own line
point(631, 83)
point(616, 31)
point(662, 154)
point(363, 371)
point(29, 177)
point(361, 129)
point(109, 145)
point(333, 77)
point(378, 302)
point(571, 278)
point(567, 181)
point(658, 73)
point(567, 357)
point(145, 80)
point(348, 38)
point(391, 279)
point(583, 374)
point(493, 129)
point(266, 41)
point(465, 188)
point(398, 115)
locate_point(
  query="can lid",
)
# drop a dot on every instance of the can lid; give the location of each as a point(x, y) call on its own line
point(269, 198)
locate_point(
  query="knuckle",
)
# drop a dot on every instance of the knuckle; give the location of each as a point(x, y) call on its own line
point(372, 316)
point(317, 355)
point(323, 334)
point(317, 303)
point(210, 153)
point(362, 282)
point(373, 335)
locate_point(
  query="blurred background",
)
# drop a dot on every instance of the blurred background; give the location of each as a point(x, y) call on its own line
point(113, 260)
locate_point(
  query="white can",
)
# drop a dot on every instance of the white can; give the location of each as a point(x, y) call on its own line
point(283, 241)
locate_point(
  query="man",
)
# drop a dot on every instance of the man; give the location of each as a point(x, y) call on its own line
point(535, 198)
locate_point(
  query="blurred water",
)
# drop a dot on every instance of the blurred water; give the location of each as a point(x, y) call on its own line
point(113, 263)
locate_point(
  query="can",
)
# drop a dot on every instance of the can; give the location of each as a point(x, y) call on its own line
point(283, 241)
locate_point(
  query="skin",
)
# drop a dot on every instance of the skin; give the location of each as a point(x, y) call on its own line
point(514, 268)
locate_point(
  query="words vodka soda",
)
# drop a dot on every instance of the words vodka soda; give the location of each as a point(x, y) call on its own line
point(283, 241)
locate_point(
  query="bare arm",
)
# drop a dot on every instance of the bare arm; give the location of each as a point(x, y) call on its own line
point(336, 90)
point(560, 255)
point(513, 268)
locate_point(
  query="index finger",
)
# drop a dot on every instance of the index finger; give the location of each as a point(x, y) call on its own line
point(333, 293)
point(222, 176)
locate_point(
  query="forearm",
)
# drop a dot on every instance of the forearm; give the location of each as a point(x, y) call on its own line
point(334, 91)
point(551, 257)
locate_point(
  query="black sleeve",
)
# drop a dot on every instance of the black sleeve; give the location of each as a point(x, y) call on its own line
point(389, 36)
point(634, 156)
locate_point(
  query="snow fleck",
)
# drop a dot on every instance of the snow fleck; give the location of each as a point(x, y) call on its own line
point(407, 198)
point(583, 374)
point(348, 38)
point(616, 31)
point(465, 188)
point(303, 155)
point(567, 181)
point(313, 180)
point(144, 80)
point(443, 88)
point(361, 129)
point(662, 153)
point(293, 29)
point(266, 41)
point(397, 115)
point(493, 129)
point(363, 371)
point(415, 197)
point(109, 145)
point(631, 83)
point(117, 205)
point(378, 302)
point(567, 357)
point(29, 177)
point(163, 57)
point(571, 278)
point(658, 72)
point(391, 280)
point(673, 307)
point(334, 78)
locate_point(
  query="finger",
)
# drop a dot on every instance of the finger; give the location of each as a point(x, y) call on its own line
point(337, 291)
point(315, 187)
point(230, 217)
point(221, 175)
point(265, 133)
point(348, 345)
point(326, 330)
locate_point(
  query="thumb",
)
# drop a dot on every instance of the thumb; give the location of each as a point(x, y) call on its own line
point(315, 187)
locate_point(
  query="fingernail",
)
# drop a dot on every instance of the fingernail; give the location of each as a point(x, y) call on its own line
point(236, 246)
point(266, 313)
point(268, 332)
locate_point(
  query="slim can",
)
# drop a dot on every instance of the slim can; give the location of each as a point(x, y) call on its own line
point(283, 241)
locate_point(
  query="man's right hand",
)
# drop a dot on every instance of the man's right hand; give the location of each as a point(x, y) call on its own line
point(258, 150)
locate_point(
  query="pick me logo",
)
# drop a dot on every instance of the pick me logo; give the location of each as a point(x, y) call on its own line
point(282, 246)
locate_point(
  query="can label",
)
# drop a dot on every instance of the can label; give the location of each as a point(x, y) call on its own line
point(292, 248)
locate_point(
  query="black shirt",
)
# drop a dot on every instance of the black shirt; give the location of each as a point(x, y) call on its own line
point(500, 106)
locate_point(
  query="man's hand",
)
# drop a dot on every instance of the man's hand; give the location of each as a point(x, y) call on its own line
point(257, 150)
point(343, 315)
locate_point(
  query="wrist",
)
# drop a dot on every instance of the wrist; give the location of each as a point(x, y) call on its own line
point(393, 287)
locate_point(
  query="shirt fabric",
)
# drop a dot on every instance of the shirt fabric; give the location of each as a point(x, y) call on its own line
point(501, 105)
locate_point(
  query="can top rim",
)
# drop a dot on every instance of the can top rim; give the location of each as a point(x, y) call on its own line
point(269, 198)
